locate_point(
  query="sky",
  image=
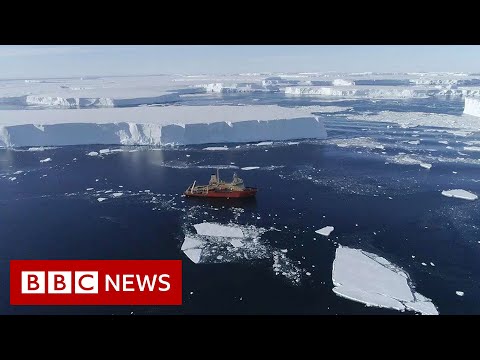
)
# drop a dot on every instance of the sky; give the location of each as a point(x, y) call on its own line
point(37, 61)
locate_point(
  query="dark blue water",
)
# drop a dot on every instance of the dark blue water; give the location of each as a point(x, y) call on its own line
point(375, 202)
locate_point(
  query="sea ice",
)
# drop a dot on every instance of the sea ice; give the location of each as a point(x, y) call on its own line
point(460, 193)
point(212, 229)
point(13, 178)
point(92, 153)
point(459, 293)
point(46, 160)
point(426, 166)
point(194, 254)
point(117, 194)
point(100, 199)
point(215, 148)
point(265, 143)
point(367, 278)
point(471, 148)
point(250, 168)
point(104, 151)
point(325, 231)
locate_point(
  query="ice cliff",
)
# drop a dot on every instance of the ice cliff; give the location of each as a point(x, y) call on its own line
point(158, 125)
point(472, 106)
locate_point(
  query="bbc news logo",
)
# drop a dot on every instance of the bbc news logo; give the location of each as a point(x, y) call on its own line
point(95, 282)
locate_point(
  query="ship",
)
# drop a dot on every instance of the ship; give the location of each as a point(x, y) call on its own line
point(217, 188)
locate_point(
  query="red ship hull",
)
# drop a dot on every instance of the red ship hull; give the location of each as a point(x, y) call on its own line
point(247, 192)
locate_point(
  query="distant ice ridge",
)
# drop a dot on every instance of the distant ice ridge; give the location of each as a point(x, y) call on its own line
point(379, 92)
point(370, 279)
point(159, 125)
point(86, 102)
point(472, 106)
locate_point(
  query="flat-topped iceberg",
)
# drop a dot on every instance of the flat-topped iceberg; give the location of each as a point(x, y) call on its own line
point(159, 125)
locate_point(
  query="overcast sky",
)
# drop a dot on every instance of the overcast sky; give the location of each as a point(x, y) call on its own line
point(24, 61)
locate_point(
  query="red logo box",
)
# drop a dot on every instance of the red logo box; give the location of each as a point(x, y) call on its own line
point(95, 282)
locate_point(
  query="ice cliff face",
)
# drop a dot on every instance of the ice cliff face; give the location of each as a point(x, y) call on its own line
point(383, 92)
point(85, 102)
point(472, 106)
point(155, 134)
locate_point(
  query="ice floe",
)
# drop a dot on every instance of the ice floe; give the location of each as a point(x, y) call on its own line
point(214, 243)
point(92, 153)
point(216, 148)
point(460, 193)
point(325, 231)
point(459, 293)
point(45, 160)
point(100, 199)
point(250, 168)
point(372, 280)
point(471, 148)
point(212, 229)
point(426, 166)
point(117, 194)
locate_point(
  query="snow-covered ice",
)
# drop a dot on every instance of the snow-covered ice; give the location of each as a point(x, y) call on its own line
point(459, 293)
point(426, 165)
point(117, 194)
point(92, 153)
point(367, 278)
point(100, 199)
point(250, 168)
point(325, 231)
point(460, 193)
point(45, 160)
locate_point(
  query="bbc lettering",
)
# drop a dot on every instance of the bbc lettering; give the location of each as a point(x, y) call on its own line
point(86, 282)
point(59, 282)
point(95, 282)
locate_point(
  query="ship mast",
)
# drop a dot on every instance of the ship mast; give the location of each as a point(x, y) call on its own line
point(218, 176)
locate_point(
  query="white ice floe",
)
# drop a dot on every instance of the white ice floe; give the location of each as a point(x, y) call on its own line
point(191, 243)
point(193, 254)
point(88, 189)
point(364, 142)
point(325, 231)
point(413, 142)
point(460, 193)
point(216, 148)
point(443, 142)
point(104, 151)
point(46, 160)
point(212, 229)
point(250, 168)
point(92, 153)
point(18, 172)
point(293, 143)
point(425, 165)
point(13, 178)
point(236, 243)
point(367, 278)
point(265, 143)
point(459, 293)
point(471, 148)
point(100, 199)
point(117, 194)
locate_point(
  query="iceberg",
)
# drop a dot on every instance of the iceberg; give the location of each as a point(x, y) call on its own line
point(181, 125)
point(472, 106)
point(325, 231)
